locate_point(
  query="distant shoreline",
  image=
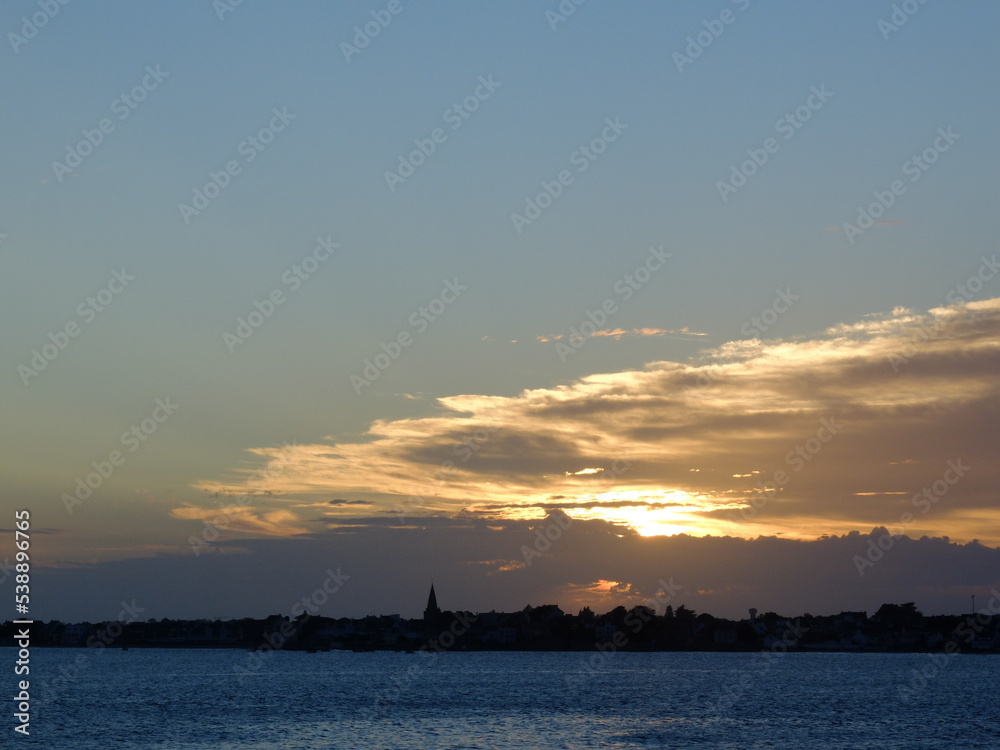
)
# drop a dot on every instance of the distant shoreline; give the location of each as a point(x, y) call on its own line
point(568, 650)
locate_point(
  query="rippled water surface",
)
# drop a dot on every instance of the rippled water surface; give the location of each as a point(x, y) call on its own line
point(200, 699)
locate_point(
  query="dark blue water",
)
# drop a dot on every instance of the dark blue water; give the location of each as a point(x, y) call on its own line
point(85, 699)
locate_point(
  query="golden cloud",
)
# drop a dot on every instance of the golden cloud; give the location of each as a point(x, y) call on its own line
point(803, 428)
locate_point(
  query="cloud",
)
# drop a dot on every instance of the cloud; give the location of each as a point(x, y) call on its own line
point(619, 333)
point(480, 565)
point(691, 446)
point(282, 522)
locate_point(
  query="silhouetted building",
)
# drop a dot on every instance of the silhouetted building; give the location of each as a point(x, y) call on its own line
point(432, 614)
point(899, 627)
point(434, 618)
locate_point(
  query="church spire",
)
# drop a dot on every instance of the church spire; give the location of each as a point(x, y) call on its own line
point(432, 612)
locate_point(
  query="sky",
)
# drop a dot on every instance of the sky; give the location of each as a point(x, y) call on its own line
point(542, 302)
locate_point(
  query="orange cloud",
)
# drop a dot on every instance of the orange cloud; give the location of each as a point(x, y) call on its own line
point(280, 522)
point(620, 445)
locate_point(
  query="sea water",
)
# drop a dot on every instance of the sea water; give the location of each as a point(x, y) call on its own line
point(196, 699)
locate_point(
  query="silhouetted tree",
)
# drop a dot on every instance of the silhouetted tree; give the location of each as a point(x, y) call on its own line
point(617, 615)
point(644, 613)
point(899, 615)
point(684, 614)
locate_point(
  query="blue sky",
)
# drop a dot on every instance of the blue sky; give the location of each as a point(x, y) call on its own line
point(323, 175)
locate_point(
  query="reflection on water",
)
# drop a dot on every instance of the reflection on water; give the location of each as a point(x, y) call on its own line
point(193, 699)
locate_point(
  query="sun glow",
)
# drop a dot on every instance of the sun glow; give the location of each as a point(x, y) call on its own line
point(648, 512)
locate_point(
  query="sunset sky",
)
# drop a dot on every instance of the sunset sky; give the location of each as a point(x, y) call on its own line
point(708, 291)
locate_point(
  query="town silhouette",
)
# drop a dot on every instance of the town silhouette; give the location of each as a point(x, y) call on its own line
point(894, 627)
